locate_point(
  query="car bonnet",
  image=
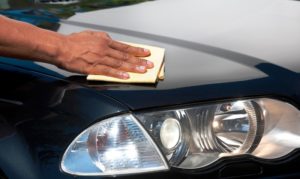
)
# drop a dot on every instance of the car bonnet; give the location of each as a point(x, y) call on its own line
point(214, 50)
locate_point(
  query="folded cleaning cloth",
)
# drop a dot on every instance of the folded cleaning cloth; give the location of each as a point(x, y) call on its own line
point(151, 76)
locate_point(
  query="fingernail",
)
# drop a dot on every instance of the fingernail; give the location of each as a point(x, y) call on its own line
point(150, 64)
point(141, 68)
point(146, 50)
point(125, 75)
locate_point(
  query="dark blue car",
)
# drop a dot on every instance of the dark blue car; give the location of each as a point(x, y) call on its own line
point(228, 106)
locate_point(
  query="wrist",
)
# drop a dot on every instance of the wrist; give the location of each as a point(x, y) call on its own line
point(51, 47)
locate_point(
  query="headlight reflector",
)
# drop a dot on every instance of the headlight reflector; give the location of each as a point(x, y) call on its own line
point(208, 132)
point(235, 126)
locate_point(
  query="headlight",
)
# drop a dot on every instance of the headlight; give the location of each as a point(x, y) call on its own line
point(195, 137)
point(189, 138)
point(115, 146)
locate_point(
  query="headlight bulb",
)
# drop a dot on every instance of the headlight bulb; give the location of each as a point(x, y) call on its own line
point(170, 133)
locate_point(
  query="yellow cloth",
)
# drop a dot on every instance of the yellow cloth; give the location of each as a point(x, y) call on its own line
point(161, 75)
point(151, 76)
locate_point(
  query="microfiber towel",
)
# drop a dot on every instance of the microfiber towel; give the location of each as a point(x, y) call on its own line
point(151, 76)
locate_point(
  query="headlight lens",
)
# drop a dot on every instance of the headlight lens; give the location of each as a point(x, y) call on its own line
point(207, 131)
point(198, 136)
point(115, 146)
point(189, 138)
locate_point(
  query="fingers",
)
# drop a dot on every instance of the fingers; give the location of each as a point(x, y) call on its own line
point(85, 68)
point(107, 71)
point(116, 63)
point(129, 58)
point(136, 51)
point(92, 52)
point(123, 65)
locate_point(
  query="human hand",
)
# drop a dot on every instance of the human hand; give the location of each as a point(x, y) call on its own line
point(92, 52)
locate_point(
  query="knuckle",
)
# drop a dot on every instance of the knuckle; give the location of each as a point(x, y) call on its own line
point(66, 64)
point(106, 71)
point(125, 56)
point(61, 64)
point(104, 35)
point(106, 60)
point(103, 52)
point(86, 69)
point(136, 60)
point(118, 64)
point(88, 32)
point(135, 49)
point(141, 50)
point(103, 48)
point(99, 34)
point(133, 67)
point(109, 41)
point(138, 50)
point(145, 62)
point(126, 47)
point(140, 61)
point(104, 42)
point(98, 49)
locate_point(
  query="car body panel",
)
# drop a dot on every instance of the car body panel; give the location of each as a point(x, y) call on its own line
point(210, 57)
point(216, 51)
point(263, 29)
point(40, 116)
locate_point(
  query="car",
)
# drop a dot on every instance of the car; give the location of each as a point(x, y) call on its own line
point(227, 108)
point(57, 1)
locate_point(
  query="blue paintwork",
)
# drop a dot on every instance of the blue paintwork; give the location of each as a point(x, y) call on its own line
point(42, 111)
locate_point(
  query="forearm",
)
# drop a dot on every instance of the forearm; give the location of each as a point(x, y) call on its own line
point(22, 40)
point(87, 52)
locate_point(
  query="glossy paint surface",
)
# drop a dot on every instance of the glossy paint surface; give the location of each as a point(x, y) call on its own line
point(40, 116)
point(43, 108)
point(219, 53)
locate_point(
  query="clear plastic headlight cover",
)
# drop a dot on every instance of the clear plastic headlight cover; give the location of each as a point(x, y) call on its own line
point(116, 146)
point(195, 137)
